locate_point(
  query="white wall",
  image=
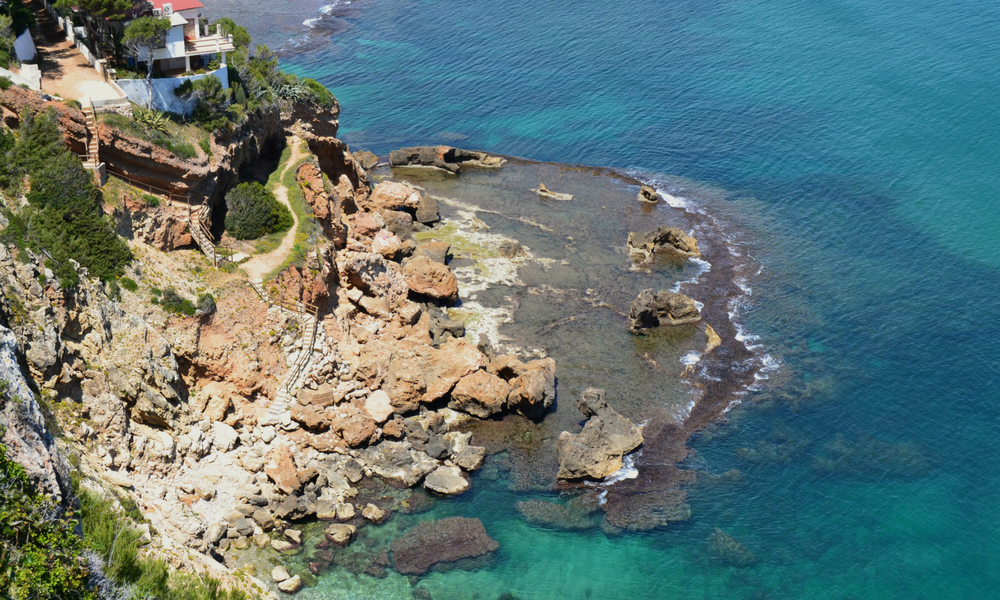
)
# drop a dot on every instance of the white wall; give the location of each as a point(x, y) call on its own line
point(159, 93)
point(24, 47)
point(33, 83)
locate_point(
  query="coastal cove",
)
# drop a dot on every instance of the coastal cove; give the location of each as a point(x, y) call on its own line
point(853, 147)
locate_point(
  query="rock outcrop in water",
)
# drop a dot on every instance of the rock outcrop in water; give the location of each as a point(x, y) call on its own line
point(663, 239)
point(598, 450)
point(656, 309)
point(440, 542)
point(649, 195)
point(443, 157)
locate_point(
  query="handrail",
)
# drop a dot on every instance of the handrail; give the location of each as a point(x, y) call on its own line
point(303, 308)
point(171, 196)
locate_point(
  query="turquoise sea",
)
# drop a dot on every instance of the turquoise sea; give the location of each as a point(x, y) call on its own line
point(857, 144)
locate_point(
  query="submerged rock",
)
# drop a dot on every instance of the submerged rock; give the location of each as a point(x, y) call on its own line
point(445, 541)
point(599, 449)
point(656, 309)
point(550, 514)
point(644, 511)
point(729, 549)
point(663, 239)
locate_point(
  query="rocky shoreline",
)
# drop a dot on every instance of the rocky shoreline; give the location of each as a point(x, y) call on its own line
point(186, 415)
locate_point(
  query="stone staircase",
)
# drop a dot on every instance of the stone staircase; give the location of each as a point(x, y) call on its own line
point(276, 413)
point(92, 160)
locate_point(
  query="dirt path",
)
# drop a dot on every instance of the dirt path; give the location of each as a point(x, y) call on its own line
point(65, 72)
point(261, 264)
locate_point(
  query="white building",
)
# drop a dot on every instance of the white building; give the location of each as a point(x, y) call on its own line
point(187, 46)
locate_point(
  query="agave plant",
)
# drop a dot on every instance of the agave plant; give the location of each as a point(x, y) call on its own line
point(154, 120)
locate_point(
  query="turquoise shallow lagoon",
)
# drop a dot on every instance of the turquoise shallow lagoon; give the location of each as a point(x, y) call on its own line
point(857, 144)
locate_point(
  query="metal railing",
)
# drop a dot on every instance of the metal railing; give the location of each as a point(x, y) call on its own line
point(170, 196)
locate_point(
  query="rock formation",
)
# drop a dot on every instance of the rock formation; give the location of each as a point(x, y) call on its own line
point(648, 194)
point(663, 239)
point(443, 157)
point(598, 450)
point(657, 309)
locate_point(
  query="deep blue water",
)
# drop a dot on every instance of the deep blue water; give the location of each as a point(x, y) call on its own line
point(859, 143)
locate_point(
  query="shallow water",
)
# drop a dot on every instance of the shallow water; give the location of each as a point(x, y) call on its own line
point(856, 142)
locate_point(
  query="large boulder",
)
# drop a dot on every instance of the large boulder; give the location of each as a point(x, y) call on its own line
point(447, 481)
point(444, 367)
point(534, 391)
point(392, 195)
point(399, 462)
point(445, 541)
point(376, 276)
point(598, 450)
point(655, 309)
point(663, 239)
point(480, 394)
point(429, 278)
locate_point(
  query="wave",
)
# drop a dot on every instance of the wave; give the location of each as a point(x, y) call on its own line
point(325, 11)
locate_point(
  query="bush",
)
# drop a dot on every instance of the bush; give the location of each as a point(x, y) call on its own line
point(39, 549)
point(173, 302)
point(253, 211)
point(5, 83)
point(183, 150)
point(206, 148)
point(151, 200)
point(74, 104)
point(64, 215)
point(206, 304)
point(129, 284)
point(318, 93)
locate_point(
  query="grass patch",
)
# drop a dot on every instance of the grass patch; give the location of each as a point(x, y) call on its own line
point(175, 139)
point(129, 284)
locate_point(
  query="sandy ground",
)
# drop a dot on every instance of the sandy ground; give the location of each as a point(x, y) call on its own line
point(262, 264)
point(65, 72)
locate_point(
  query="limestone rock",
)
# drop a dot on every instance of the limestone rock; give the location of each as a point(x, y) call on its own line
point(534, 391)
point(225, 437)
point(340, 534)
point(379, 406)
point(282, 470)
point(470, 458)
point(427, 211)
point(429, 278)
point(444, 541)
point(444, 368)
point(279, 574)
point(434, 250)
point(663, 239)
point(387, 244)
point(648, 194)
point(374, 275)
point(393, 195)
point(290, 586)
point(597, 451)
point(373, 513)
point(398, 461)
point(661, 308)
point(480, 394)
point(447, 481)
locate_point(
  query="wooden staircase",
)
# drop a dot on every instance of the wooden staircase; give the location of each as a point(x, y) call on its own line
point(292, 381)
point(198, 219)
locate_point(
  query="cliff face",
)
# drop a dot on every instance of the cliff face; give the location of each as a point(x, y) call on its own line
point(25, 435)
point(201, 178)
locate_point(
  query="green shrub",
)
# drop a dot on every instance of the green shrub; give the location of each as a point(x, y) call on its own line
point(173, 302)
point(75, 104)
point(206, 304)
point(151, 200)
point(5, 83)
point(64, 215)
point(40, 553)
point(129, 284)
point(152, 120)
point(206, 148)
point(253, 211)
point(318, 93)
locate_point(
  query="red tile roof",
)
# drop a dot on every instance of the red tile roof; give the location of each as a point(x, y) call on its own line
point(178, 4)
